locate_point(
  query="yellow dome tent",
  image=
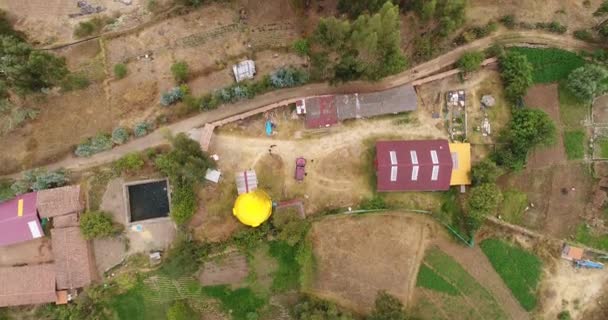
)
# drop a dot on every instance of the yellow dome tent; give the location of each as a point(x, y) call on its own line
point(253, 208)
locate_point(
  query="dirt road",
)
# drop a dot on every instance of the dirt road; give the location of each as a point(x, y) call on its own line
point(277, 97)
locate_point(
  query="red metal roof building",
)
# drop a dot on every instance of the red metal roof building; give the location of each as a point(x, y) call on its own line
point(19, 220)
point(414, 165)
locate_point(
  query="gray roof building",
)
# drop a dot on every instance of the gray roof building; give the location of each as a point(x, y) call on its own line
point(365, 105)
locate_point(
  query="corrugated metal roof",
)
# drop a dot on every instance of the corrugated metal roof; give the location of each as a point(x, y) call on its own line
point(321, 112)
point(417, 168)
point(59, 201)
point(33, 284)
point(365, 105)
point(244, 70)
point(18, 220)
point(246, 181)
point(461, 163)
point(72, 258)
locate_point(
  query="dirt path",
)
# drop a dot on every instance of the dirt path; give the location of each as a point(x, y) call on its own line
point(474, 261)
point(276, 97)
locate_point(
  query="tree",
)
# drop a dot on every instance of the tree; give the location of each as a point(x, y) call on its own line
point(355, 8)
point(315, 309)
point(470, 61)
point(586, 82)
point(183, 202)
point(180, 71)
point(186, 162)
point(180, 310)
point(291, 227)
point(516, 72)
point(527, 129)
point(120, 70)
point(485, 171)
point(387, 307)
point(483, 200)
point(331, 32)
point(96, 225)
point(28, 70)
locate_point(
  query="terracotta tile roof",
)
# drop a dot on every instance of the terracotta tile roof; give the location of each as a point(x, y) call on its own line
point(69, 220)
point(59, 201)
point(27, 285)
point(72, 258)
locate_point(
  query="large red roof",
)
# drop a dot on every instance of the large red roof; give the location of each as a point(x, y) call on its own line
point(415, 165)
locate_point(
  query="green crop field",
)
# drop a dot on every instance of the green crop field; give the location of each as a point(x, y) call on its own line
point(518, 268)
point(446, 291)
point(550, 64)
point(574, 142)
point(513, 206)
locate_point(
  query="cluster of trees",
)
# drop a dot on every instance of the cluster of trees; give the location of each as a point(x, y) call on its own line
point(588, 81)
point(527, 129)
point(516, 73)
point(386, 307)
point(369, 47)
point(470, 61)
point(185, 165)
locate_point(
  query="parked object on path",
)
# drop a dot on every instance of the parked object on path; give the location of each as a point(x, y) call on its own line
point(300, 169)
point(268, 128)
point(244, 70)
point(588, 264)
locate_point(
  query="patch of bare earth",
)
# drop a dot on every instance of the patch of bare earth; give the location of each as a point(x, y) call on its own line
point(545, 97)
point(231, 269)
point(575, 290)
point(356, 256)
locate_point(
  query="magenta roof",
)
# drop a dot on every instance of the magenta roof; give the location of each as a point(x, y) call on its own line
point(414, 165)
point(19, 220)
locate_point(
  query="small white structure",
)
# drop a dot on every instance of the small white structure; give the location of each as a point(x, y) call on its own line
point(244, 70)
point(301, 106)
point(213, 175)
point(246, 181)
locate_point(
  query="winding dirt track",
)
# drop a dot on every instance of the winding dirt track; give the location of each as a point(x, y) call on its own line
point(280, 96)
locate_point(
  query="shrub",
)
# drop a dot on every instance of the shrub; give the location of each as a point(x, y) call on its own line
point(75, 81)
point(508, 21)
point(470, 61)
point(83, 29)
point(291, 227)
point(583, 34)
point(183, 203)
point(120, 70)
point(387, 307)
point(552, 26)
point(564, 315)
point(184, 259)
point(129, 162)
point(374, 203)
point(485, 171)
point(483, 200)
point(312, 308)
point(180, 310)
point(603, 31)
point(99, 143)
point(40, 179)
point(602, 10)
point(180, 71)
point(120, 135)
point(141, 129)
point(96, 225)
point(288, 77)
point(301, 47)
point(185, 163)
point(172, 96)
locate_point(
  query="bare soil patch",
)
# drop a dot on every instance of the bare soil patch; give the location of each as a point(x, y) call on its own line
point(231, 269)
point(559, 194)
point(356, 256)
point(545, 97)
point(568, 288)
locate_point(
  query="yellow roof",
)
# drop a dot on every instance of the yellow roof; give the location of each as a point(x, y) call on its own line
point(253, 208)
point(461, 172)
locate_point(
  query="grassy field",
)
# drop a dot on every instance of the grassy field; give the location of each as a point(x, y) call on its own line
point(584, 236)
point(239, 303)
point(287, 275)
point(550, 64)
point(603, 148)
point(574, 142)
point(513, 206)
point(449, 292)
point(519, 269)
point(572, 111)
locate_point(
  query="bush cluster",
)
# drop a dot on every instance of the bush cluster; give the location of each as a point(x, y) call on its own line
point(141, 129)
point(120, 135)
point(120, 70)
point(97, 225)
point(129, 163)
point(40, 179)
point(91, 146)
point(172, 96)
point(552, 26)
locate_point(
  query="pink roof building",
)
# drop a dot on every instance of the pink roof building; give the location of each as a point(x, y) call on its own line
point(414, 165)
point(19, 220)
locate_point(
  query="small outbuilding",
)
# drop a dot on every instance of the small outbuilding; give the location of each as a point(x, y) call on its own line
point(244, 70)
point(246, 181)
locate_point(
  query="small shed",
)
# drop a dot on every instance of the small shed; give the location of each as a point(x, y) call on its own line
point(213, 175)
point(244, 70)
point(572, 253)
point(246, 181)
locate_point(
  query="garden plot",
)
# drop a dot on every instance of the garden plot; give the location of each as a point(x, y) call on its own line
point(444, 290)
point(356, 256)
point(545, 97)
